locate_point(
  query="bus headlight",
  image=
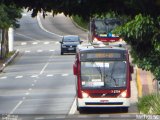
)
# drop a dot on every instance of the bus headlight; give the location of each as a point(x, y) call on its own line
point(123, 94)
point(121, 40)
point(95, 40)
point(85, 95)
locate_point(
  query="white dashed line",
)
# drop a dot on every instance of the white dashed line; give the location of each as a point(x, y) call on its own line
point(27, 51)
point(23, 43)
point(27, 93)
point(56, 42)
point(46, 43)
point(19, 77)
point(30, 89)
point(3, 77)
point(32, 85)
point(34, 76)
point(51, 50)
point(49, 75)
point(64, 74)
point(34, 43)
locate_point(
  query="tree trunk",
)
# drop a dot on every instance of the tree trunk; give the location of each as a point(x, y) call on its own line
point(4, 44)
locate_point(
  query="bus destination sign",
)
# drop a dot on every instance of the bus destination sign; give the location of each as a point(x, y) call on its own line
point(102, 55)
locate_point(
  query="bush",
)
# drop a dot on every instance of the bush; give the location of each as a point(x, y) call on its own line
point(149, 104)
point(80, 21)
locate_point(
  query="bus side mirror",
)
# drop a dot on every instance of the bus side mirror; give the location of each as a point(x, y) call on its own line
point(74, 69)
point(131, 69)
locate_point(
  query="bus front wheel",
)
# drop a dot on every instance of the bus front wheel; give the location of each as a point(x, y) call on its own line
point(81, 109)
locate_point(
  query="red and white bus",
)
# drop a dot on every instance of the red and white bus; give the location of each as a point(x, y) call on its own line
point(100, 30)
point(103, 77)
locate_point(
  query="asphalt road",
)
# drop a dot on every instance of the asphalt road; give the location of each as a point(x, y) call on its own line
point(39, 83)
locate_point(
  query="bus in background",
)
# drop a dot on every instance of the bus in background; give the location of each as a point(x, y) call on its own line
point(103, 77)
point(100, 30)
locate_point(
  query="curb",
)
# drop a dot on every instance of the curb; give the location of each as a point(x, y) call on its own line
point(139, 84)
point(9, 60)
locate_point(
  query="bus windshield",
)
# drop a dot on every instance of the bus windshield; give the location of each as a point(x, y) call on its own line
point(105, 27)
point(103, 74)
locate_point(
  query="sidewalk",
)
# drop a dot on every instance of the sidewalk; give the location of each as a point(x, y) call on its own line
point(145, 82)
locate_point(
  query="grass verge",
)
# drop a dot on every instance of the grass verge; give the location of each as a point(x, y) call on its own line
point(149, 104)
point(80, 21)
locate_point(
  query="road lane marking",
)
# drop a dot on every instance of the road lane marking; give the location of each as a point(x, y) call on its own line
point(73, 108)
point(27, 93)
point(25, 36)
point(50, 75)
point(41, 26)
point(34, 43)
point(51, 50)
point(56, 42)
point(20, 102)
point(27, 51)
point(23, 43)
point(34, 76)
point(46, 43)
point(44, 68)
point(64, 74)
point(3, 77)
point(30, 89)
point(20, 76)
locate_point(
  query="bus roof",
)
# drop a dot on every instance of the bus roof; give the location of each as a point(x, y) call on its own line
point(99, 47)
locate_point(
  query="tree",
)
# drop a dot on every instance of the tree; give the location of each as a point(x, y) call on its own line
point(143, 34)
point(8, 18)
point(87, 8)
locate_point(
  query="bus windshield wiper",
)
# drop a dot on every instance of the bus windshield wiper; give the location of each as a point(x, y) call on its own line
point(111, 76)
point(98, 69)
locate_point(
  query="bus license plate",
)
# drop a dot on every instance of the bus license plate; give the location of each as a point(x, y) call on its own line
point(104, 101)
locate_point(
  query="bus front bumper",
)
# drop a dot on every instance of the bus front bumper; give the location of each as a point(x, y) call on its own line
point(103, 102)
